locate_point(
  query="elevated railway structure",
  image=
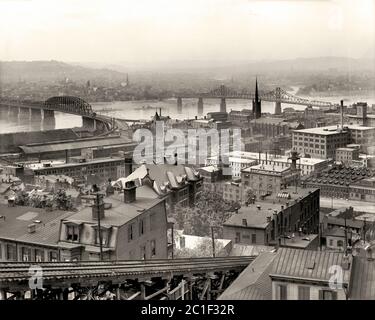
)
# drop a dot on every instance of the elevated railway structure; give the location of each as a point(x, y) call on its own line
point(193, 278)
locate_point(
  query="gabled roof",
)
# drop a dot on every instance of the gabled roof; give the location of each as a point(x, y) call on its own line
point(254, 282)
point(308, 265)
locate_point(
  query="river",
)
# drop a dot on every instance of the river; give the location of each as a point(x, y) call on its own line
point(144, 110)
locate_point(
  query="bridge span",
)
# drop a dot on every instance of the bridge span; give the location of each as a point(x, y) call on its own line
point(147, 278)
point(27, 110)
point(277, 95)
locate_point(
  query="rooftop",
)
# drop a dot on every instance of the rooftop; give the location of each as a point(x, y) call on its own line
point(362, 286)
point(330, 130)
point(120, 212)
point(276, 158)
point(14, 227)
point(266, 168)
point(309, 265)
point(254, 282)
point(74, 144)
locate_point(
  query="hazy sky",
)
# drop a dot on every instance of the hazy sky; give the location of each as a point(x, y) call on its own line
point(159, 30)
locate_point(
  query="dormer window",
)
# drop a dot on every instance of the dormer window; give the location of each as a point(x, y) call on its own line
point(72, 231)
point(105, 233)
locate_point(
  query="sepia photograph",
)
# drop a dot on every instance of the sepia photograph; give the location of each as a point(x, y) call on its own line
point(199, 152)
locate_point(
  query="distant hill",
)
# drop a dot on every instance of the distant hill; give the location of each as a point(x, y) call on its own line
point(52, 71)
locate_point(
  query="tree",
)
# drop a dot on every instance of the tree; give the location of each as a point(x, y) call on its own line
point(210, 209)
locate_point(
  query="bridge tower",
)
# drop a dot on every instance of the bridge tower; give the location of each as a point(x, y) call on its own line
point(179, 104)
point(223, 105)
point(48, 122)
point(278, 100)
point(200, 105)
point(257, 104)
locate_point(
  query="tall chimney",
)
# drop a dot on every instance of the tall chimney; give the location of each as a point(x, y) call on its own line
point(98, 208)
point(130, 192)
point(342, 114)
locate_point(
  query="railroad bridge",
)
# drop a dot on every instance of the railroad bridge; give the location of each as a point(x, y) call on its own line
point(277, 95)
point(33, 110)
point(162, 279)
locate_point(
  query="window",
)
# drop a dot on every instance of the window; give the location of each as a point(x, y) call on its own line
point(104, 235)
point(130, 232)
point(253, 238)
point(143, 252)
point(238, 237)
point(153, 248)
point(72, 232)
point(11, 252)
point(26, 254)
point(141, 227)
point(282, 292)
point(53, 256)
point(303, 293)
point(340, 243)
point(39, 255)
point(327, 295)
point(331, 242)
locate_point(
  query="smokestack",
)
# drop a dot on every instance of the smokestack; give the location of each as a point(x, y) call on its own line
point(342, 114)
point(130, 192)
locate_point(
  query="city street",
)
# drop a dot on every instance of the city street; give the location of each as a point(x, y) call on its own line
point(340, 203)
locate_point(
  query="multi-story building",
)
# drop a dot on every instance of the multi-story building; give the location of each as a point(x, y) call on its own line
point(361, 118)
point(295, 274)
point(306, 166)
point(347, 155)
point(269, 221)
point(272, 127)
point(133, 225)
point(103, 168)
point(320, 142)
point(68, 148)
point(177, 183)
point(323, 142)
point(232, 191)
point(314, 276)
point(266, 179)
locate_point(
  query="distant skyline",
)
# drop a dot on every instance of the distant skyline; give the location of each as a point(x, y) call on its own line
point(156, 31)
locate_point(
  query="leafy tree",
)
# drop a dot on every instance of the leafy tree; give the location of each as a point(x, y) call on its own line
point(210, 210)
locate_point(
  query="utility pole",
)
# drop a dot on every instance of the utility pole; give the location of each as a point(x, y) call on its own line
point(346, 237)
point(213, 241)
point(172, 240)
point(99, 228)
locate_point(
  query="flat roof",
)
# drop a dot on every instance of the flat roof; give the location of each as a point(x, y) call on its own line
point(266, 168)
point(276, 158)
point(75, 144)
point(75, 164)
point(330, 130)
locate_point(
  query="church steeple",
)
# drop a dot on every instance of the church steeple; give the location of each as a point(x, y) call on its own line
point(257, 106)
point(256, 90)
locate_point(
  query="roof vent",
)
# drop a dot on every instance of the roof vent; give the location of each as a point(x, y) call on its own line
point(311, 265)
point(31, 228)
